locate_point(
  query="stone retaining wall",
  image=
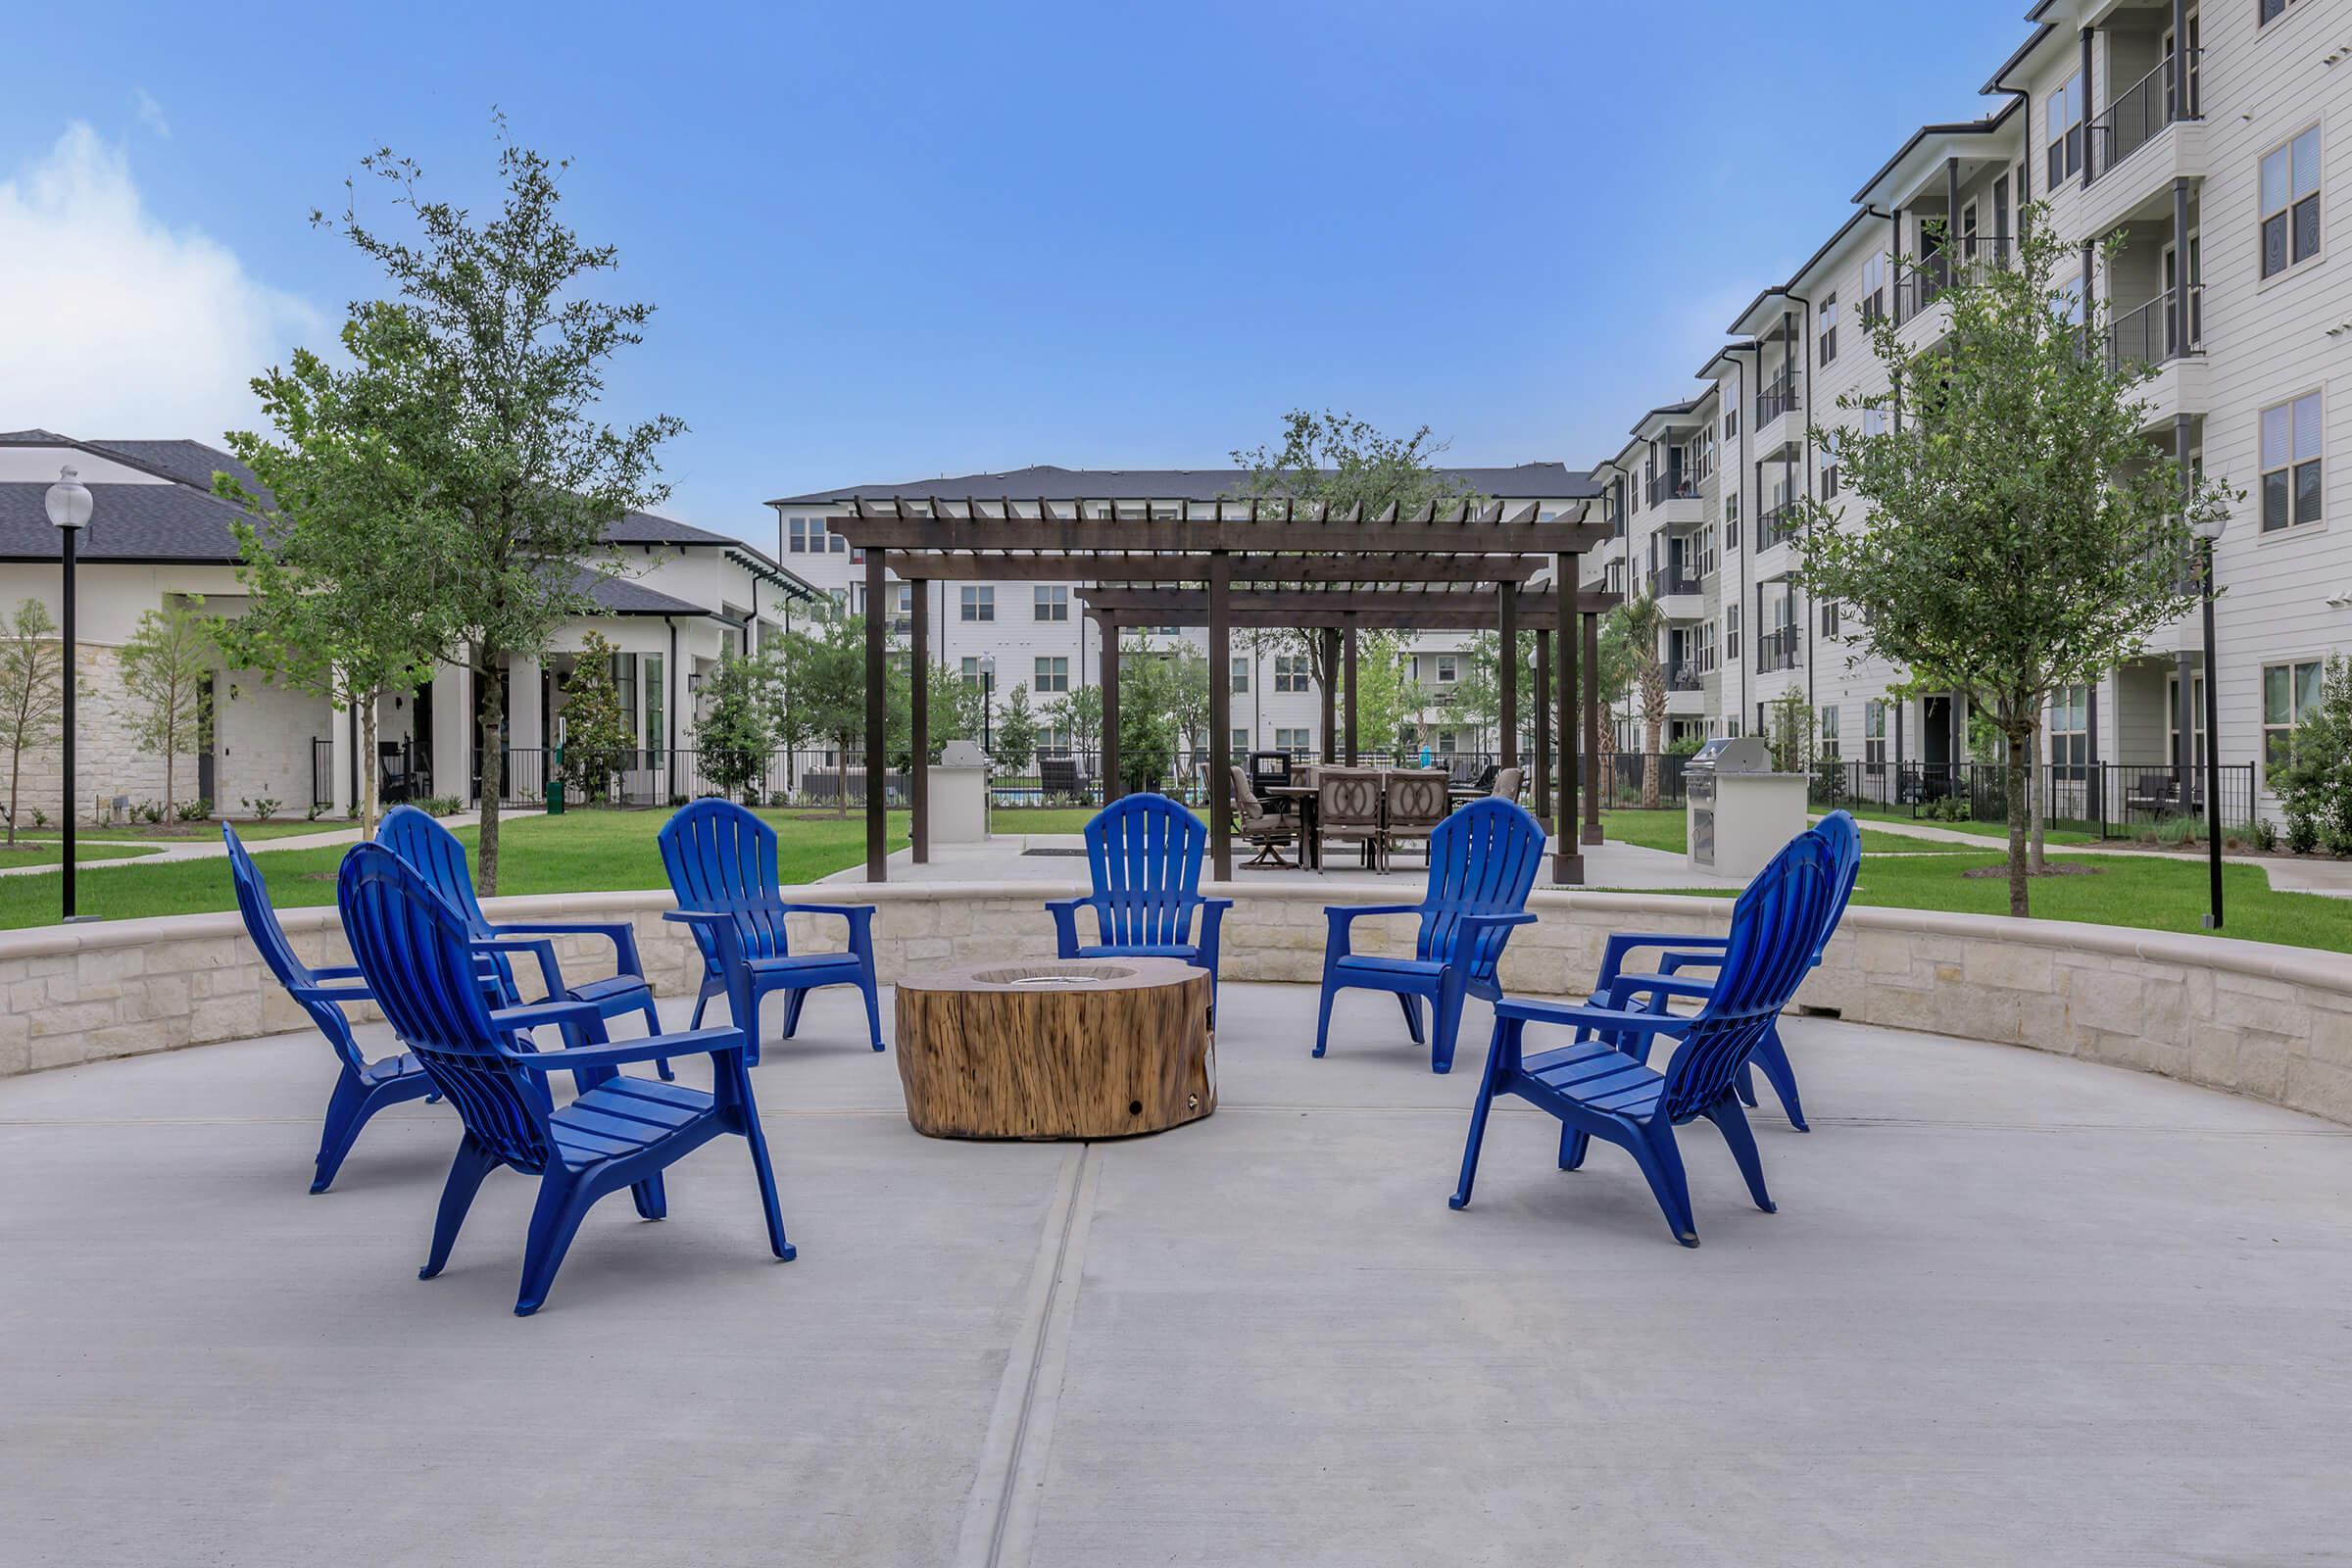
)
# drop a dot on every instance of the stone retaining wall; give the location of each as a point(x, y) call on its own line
point(2271, 1022)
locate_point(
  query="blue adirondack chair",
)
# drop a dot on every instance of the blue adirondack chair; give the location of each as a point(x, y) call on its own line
point(417, 951)
point(1144, 851)
point(1771, 1057)
point(1483, 861)
point(1604, 1088)
point(364, 1086)
point(722, 860)
point(440, 859)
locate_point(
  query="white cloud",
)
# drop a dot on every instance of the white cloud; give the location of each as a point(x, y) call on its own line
point(150, 113)
point(120, 325)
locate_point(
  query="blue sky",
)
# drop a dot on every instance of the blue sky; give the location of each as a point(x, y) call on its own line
point(898, 240)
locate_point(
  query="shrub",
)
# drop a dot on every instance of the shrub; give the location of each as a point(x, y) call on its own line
point(40, 818)
point(149, 812)
point(317, 811)
point(196, 811)
point(442, 806)
point(2339, 839)
point(2264, 834)
point(263, 810)
point(2302, 833)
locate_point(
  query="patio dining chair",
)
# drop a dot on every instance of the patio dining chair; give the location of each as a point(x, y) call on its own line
point(1267, 829)
point(1771, 1058)
point(1413, 803)
point(1605, 1088)
point(722, 860)
point(1144, 852)
point(1507, 783)
point(418, 951)
point(440, 858)
point(1483, 861)
point(1348, 807)
point(364, 1087)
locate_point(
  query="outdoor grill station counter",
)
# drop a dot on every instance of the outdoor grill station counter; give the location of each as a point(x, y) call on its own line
point(1740, 811)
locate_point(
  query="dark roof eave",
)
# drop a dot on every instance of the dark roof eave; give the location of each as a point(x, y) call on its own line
point(1984, 126)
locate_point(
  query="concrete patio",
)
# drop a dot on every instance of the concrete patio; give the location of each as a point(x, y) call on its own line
point(2014, 1309)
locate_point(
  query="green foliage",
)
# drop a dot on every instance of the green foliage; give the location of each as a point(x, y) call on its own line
point(32, 691)
point(261, 810)
point(1633, 667)
point(595, 727)
point(1079, 715)
point(196, 811)
point(1148, 701)
point(163, 665)
point(2264, 833)
point(732, 735)
point(1789, 732)
point(2016, 530)
point(1386, 702)
point(2313, 781)
point(511, 447)
point(1686, 744)
point(1015, 733)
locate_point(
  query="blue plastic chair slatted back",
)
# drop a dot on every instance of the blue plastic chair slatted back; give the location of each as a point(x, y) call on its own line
point(410, 943)
point(438, 858)
point(1483, 859)
point(1839, 831)
point(1774, 926)
point(261, 924)
point(1145, 853)
point(720, 857)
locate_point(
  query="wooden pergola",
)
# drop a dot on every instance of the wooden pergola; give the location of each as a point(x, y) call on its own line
point(1231, 565)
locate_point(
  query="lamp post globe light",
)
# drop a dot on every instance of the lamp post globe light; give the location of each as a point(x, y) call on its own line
point(2209, 533)
point(70, 507)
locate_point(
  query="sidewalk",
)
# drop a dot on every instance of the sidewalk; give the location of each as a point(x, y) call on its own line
point(212, 847)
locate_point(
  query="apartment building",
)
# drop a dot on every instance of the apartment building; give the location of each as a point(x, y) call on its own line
point(1036, 635)
point(2213, 136)
point(681, 598)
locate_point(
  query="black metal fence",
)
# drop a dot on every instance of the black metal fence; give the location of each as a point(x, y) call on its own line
point(2113, 799)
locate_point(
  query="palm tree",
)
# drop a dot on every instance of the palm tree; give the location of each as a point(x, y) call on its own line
point(1638, 623)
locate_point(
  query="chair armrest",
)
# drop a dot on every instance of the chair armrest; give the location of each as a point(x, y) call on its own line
point(854, 914)
point(555, 1011)
point(1212, 921)
point(1340, 918)
point(1065, 923)
point(335, 994)
point(1621, 943)
point(1674, 963)
point(338, 971)
point(619, 933)
point(1626, 987)
point(576, 1058)
point(549, 974)
point(1466, 932)
point(1584, 1016)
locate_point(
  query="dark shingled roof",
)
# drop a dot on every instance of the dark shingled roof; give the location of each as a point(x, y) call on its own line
point(189, 461)
point(644, 529)
point(131, 522)
point(623, 596)
point(1528, 481)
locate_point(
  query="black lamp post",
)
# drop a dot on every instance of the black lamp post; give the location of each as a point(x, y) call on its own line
point(2209, 534)
point(70, 506)
point(988, 703)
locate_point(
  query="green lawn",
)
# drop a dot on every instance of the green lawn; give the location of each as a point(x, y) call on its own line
point(277, 827)
point(1988, 830)
point(48, 852)
point(1666, 830)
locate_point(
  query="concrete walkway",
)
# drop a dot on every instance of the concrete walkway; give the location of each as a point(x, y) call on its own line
point(2328, 878)
point(210, 846)
point(2014, 1309)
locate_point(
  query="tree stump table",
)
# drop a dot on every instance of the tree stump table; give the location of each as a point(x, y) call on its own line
point(1072, 1048)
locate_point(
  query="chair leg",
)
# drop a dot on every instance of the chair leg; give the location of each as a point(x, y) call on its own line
point(346, 1113)
point(653, 1026)
point(1771, 1058)
point(1573, 1146)
point(564, 1201)
point(1323, 1017)
point(1661, 1162)
point(466, 1173)
point(652, 1198)
point(793, 1002)
point(1478, 1116)
point(754, 1136)
point(1447, 1026)
point(1744, 1084)
point(1413, 1015)
point(1732, 1122)
point(700, 1002)
point(873, 1008)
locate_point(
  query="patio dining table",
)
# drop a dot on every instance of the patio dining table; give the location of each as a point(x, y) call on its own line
point(1310, 838)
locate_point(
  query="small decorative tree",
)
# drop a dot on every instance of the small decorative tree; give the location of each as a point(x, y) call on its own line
point(818, 695)
point(733, 734)
point(2313, 779)
point(1633, 628)
point(1015, 733)
point(1078, 714)
point(33, 692)
point(1789, 732)
point(596, 728)
point(164, 668)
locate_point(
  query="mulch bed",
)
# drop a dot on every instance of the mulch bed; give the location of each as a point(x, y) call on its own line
point(2054, 869)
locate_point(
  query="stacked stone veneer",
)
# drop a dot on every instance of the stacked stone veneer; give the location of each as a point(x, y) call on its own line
point(2271, 1022)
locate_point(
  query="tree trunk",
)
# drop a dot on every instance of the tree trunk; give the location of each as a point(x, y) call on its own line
point(494, 774)
point(1653, 720)
point(370, 768)
point(2017, 824)
point(170, 769)
point(16, 777)
point(841, 778)
point(2038, 788)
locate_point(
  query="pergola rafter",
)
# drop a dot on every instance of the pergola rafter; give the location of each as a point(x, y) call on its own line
point(1244, 563)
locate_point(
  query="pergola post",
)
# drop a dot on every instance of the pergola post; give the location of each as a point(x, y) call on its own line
point(1543, 727)
point(1220, 714)
point(1592, 833)
point(1507, 634)
point(1348, 641)
point(1327, 676)
point(1567, 860)
point(877, 725)
point(918, 757)
point(1112, 785)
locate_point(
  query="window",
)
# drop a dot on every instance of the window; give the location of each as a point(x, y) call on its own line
point(2290, 692)
point(901, 606)
point(2267, 12)
point(1874, 288)
point(1731, 425)
point(1828, 480)
point(2291, 464)
point(1052, 676)
point(2064, 124)
point(1829, 735)
point(2290, 203)
point(807, 536)
point(656, 698)
point(1873, 421)
point(1237, 742)
point(1290, 672)
point(1053, 602)
point(970, 669)
point(979, 602)
point(1826, 324)
point(1874, 737)
point(2172, 716)
point(1291, 739)
point(1450, 668)
point(1731, 523)
point(1829, 617)
point(1731, 633)
point(1239, 677)
point(2069, 734)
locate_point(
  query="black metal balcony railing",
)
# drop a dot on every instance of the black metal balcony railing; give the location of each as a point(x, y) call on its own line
point(1674, 579)
point(1925, 279)
point(2153, 335)
point(1672, 487)
point(1777, 649)
point(1776, 525)
point(1778, 397)
point(1685, 676)
point(2139, 112)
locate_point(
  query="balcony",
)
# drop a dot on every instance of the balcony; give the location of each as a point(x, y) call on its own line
point(1685, 675)
point(2151, 334)
point(1775, 525)
point(2139, 112)
point(1675, 579)
point(1928, 279)
point(1672, 487)
point(1778, 397)
point(1778, 648)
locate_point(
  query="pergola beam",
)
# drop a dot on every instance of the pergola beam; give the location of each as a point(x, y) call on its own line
point(1192, 570)
point(1311, 606)
point(1086, 536)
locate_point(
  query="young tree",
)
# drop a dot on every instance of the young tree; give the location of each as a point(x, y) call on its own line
point(596, 728)
point(32, 692)
point(1342, 462)
point(733, 733)
point(1789, 721)
point(818, 695)
point(2312, 772)
point(1385, 701)
point(1015, 733)
point(347, 570)
point(2019, 531)
point(164, 668)
point(533, 477)
point(1079, 715)
point(1633, 628)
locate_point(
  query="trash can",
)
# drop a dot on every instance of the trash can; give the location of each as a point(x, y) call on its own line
point(554, 783)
